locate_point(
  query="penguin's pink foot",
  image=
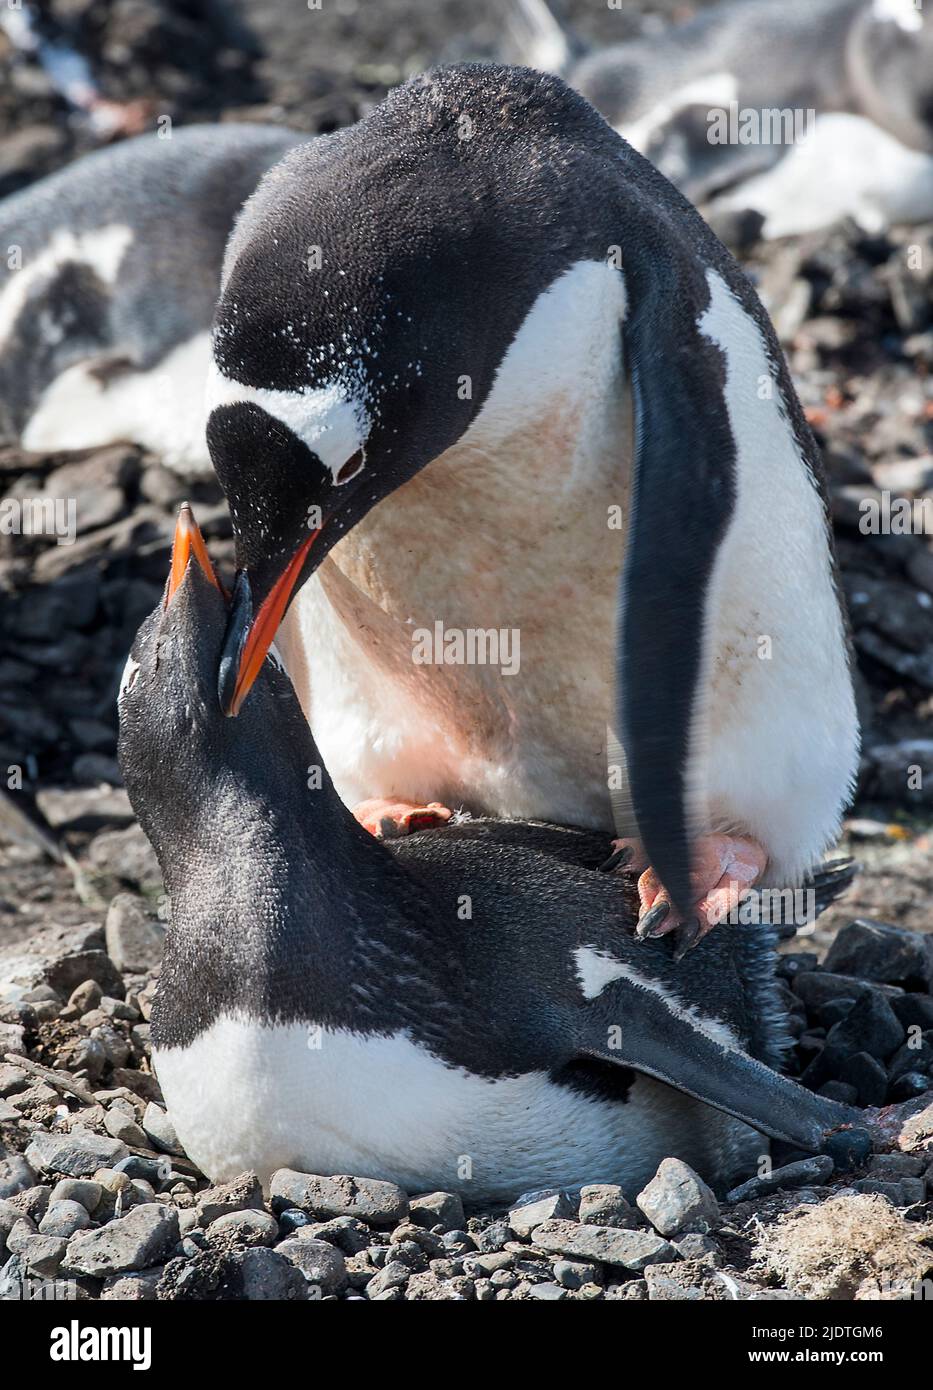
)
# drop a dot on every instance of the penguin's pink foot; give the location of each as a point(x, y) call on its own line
point(724, 868)
point(387, 820)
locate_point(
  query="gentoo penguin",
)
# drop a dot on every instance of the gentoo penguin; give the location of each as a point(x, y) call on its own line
point(458, 1009)
point(801, 111)
point(109, 272)
point(599, 504)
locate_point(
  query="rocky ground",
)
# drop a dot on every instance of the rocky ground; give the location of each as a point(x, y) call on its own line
point(99, 1199)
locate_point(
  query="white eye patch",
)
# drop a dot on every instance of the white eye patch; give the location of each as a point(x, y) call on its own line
point(130, 671)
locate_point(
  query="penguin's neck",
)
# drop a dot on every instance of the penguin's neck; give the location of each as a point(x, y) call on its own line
point(274, 869)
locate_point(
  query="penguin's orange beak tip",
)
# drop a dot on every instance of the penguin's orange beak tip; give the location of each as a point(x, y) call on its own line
point(188, 541)
point(250, 636)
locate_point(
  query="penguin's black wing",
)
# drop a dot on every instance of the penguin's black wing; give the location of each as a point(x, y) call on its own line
point(638, 1024)
point(684, 490)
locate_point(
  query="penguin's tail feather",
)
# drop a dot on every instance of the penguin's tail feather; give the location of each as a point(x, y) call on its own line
point(827, 882)
point(536, 38)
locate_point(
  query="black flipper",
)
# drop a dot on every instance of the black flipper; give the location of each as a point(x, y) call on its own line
point(683, 495)
point(670, 1042)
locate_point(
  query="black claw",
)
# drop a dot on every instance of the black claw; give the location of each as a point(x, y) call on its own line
point(686, 937)
point(652, 920)
point(617, 859)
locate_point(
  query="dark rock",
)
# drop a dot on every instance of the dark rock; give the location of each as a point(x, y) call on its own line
point(807, 1173)
point(915, 1055)
point(259, 1274)
point(848, 1148)
point(493, 1236)
point(834, 1012)
point(914, 1010)
point(878, 951)
point(818, 988)
point(867, 1075)
point(908, 1085)
point(870, 1026)
point(842, 1091)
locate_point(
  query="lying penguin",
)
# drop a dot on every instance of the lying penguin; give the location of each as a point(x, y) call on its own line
point(481, 310)
point(109, 274)
point(461, 1009)
point(712, 103)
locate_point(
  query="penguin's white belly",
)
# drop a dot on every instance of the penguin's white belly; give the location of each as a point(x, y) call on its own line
point(245, 1096)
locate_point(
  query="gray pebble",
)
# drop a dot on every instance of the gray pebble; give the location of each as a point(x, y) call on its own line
point(677, 1200)
point(378, 1203)
point(261, 1274)
point(252, 1227)
point(77, 1154)
point(604, 1204)
point(64, 1218)
point(242, 1193)
point(393, 1276)
point(121, 1126)
point(161, 1130)
point(604, 1244)
point(321, 1263)
point(432, 1209)
point(43, 1255)
point(525, 1217)
point(141, 1238)
point(82, 1190)
point(573, 1274)
point(15, 1175)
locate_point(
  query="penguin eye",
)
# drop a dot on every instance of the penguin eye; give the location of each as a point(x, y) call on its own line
point(351, 467)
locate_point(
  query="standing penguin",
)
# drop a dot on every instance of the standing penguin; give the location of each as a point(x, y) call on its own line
point(109, 273)
point(482, 310)
point(458, 1009)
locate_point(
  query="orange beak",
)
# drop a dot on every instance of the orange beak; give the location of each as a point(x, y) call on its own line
point(188, 541)
point(265, 625)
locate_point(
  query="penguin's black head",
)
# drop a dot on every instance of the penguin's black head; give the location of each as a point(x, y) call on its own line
point(175, 741)
point(372, 288)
